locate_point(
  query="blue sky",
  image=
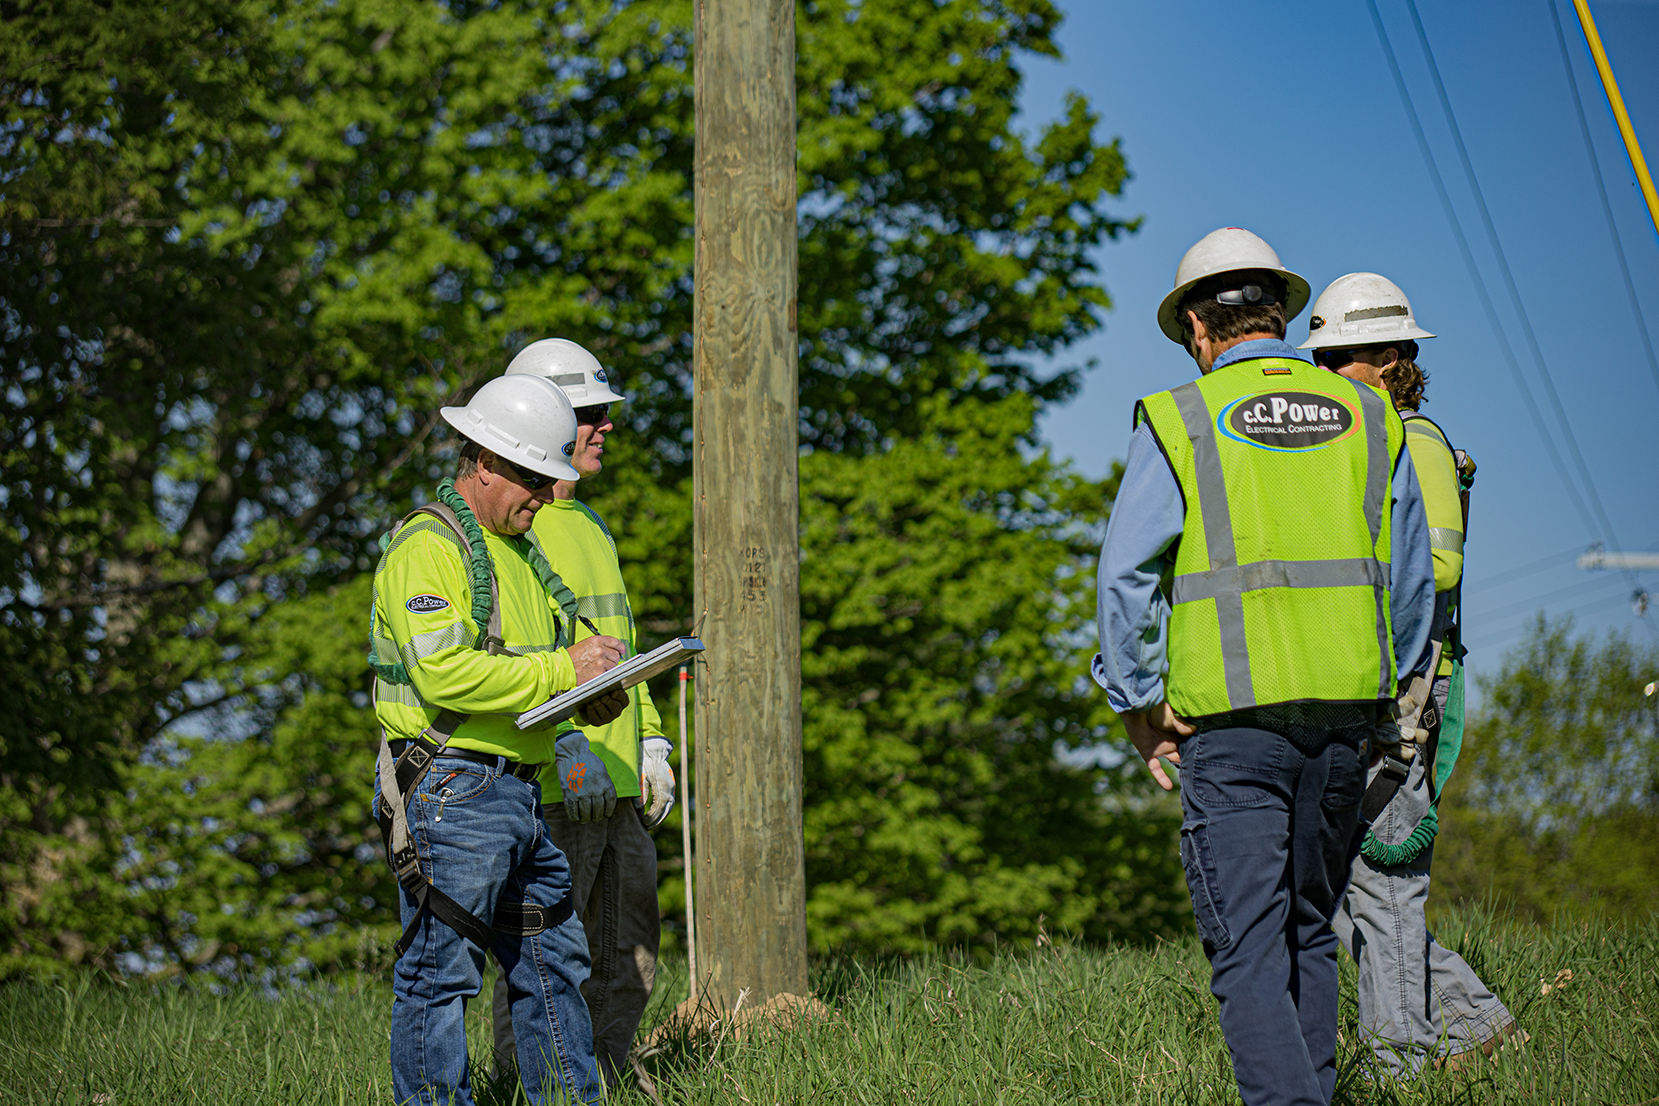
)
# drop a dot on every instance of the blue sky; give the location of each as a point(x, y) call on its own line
point(1284, 118)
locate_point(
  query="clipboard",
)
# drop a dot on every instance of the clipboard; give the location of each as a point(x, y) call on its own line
point(634, 670)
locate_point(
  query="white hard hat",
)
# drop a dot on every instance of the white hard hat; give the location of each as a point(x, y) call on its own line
point(523, 419)
point(1361, 309)
point(1227, 250)
point(569, 366)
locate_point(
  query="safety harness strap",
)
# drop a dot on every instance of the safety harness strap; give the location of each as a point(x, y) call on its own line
point(1388, 781)
point(399, 779)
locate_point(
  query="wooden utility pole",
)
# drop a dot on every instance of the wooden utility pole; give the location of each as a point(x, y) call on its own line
point(751, 883)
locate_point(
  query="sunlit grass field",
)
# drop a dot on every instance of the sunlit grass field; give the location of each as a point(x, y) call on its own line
point(1060, 1023)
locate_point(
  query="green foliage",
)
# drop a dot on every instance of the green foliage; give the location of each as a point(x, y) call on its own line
point(1058, 1024)
point(247, 250)
point(1554, 807)
point(943, 585)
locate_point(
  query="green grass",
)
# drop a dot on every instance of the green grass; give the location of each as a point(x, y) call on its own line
point(1066, 1024)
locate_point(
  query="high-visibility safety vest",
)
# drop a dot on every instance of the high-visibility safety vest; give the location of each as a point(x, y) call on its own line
point(423, 617)
point(581, 550)
point(1281, 584)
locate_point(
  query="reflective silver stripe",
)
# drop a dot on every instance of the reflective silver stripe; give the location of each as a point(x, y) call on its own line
point(1354, 572)
point(428, 524)
point(1425, 428)
point(424, 645)
point(1377, 473)
point(1446, 539)
point(1218, 540)
point(521, 650)
point(612, 605)
point(400, 694)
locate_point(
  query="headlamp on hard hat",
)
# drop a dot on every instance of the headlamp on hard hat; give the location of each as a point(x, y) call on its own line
point(1251, 294)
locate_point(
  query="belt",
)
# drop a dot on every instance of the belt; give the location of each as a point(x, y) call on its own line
point(517, 769)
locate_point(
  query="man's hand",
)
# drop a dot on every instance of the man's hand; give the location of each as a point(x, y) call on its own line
point(589, 793)
point(1154, 732)
point(607, 708)
point(595, 656)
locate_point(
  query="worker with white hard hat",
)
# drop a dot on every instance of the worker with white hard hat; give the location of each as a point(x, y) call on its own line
point(470, 627)
point(1282, 503)
point(601, 818)
point(1417, 999)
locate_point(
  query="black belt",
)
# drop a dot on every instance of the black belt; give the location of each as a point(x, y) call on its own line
point(517, 769)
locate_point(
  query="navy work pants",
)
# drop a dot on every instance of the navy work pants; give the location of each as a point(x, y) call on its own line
point(1271, 827)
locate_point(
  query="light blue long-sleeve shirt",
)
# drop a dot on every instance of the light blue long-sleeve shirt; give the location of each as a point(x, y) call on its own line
point(1148, 516)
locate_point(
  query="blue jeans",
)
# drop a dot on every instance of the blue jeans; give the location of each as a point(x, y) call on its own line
point(481, 840)
point(1270, 829)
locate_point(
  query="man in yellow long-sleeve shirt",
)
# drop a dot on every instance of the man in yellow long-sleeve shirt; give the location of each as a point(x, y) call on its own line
point(470, 627)
point(613, 861)
point(1417, 999)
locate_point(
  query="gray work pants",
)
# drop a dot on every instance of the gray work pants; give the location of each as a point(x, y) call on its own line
point(1416, 999)
point(613, 878)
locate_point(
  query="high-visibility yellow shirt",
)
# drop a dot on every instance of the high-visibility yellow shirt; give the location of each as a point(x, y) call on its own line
point(423, 617)
point(1431, 456)
point(581, 551)
point(1436, 467)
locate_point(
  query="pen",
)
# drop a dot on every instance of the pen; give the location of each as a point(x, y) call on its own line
point(594, 630)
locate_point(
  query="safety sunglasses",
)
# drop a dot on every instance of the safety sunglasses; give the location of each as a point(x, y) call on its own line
point(532, 481)
point(593, 415)
point(1333, 359)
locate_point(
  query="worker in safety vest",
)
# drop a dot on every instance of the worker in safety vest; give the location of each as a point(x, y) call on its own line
point(1282, 502)
point(1417, 999)
point(471, 627)
point(600, 818)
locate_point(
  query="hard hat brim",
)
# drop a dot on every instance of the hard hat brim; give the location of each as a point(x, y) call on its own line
point(556, 467)
point(1335, 341)
point(1297, 294)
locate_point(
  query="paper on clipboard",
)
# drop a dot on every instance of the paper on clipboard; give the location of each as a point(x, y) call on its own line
point(634, 670)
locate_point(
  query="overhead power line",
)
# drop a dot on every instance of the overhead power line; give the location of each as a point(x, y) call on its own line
point(1509, 574)
point(1509, 283)
point(1601, 188)
point(1535, 601)
point(1604, 67)
point(1475, 276)
point(1488, 638)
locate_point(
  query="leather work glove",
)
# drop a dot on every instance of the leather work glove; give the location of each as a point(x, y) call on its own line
point(656, 781)
point(1408, 708)
point(589, 793)
point(607, 708)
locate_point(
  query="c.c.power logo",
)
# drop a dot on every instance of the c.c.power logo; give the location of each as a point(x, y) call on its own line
point(426, 604)
point(1287, 421)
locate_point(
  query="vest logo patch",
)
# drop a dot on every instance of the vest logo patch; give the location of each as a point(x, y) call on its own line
point(427, 604)
point(1287, 421)
point(1281, 371)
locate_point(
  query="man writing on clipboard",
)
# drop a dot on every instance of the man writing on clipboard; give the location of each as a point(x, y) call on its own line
point(471, 627)
point(605, 792)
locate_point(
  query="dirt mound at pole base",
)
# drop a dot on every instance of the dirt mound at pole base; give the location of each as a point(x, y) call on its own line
point(701, 1020)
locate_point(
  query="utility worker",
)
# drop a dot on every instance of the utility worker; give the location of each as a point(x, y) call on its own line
point(1417, 999)
point(470, 627)
point(1284, 506)
point(598, 817)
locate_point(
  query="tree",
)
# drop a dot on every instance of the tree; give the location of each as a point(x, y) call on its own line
point(946, 585)
point(1554, 806)
point(246, 253)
